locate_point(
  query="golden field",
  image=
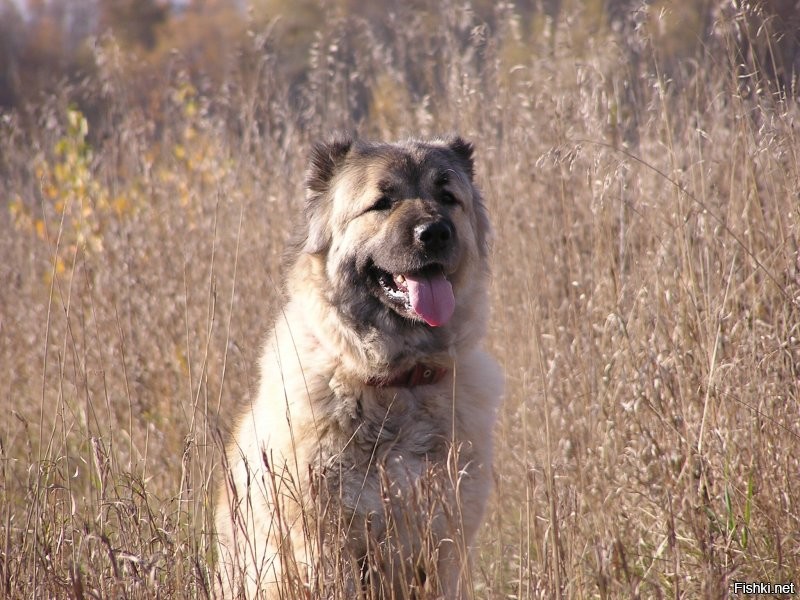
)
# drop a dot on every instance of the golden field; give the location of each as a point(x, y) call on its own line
point(646, 297)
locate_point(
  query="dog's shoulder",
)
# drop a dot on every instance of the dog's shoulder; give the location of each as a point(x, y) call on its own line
point(479, 371)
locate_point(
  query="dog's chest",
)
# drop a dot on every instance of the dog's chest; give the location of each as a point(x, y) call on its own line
point(409, 422)
point(380, 437)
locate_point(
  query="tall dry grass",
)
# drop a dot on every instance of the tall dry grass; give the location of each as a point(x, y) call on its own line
point(646, 303)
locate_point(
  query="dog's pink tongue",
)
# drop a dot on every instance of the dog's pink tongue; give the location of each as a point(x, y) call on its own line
point(431, 297)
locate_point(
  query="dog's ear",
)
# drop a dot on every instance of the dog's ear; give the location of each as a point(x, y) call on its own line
point(483, 232)
point(463, 151)
point(325, 160)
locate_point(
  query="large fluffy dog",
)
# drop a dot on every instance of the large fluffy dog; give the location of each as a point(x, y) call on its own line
point(363, 466)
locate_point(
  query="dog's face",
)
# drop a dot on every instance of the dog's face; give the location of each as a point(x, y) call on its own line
point(402, 230)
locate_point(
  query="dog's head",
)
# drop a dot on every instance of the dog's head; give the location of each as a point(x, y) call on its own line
point(401, 228)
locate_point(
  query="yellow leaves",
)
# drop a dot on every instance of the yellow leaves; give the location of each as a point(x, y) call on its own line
point(71, 206)
point(58, 269)
point(197, 161)
point(16, 208)
point(60, 172)
point(78, 125)
point(121, 205)
point(61, 266)
point(180, 358)
point(186, 97)
point(23, 220)
point(20, 215)
point(74, 200)
point(94, 244)
point(184, 195)
point(190, 109)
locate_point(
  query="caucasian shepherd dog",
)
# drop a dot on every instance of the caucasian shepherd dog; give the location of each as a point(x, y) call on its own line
point(363, 466)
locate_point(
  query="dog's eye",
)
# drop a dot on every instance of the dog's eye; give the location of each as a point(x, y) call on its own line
point(448, 197)
point(382, 203)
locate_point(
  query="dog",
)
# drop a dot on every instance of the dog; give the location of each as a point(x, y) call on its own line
point(363, 466)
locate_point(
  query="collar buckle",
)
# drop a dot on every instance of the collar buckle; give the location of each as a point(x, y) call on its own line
point(419, 374)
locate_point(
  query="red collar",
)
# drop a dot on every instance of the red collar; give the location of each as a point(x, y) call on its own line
point(419, 374)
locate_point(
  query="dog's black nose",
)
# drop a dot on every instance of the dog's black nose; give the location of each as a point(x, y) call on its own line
point(434, 236)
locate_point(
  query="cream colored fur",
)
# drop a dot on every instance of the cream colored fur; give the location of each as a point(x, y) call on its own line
point(324, 469)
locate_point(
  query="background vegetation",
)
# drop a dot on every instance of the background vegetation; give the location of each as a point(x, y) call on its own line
point(641, 162)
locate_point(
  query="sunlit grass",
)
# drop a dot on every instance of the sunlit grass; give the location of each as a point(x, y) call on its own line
point(646, 310)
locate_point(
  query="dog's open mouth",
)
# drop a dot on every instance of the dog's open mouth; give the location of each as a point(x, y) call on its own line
point(424, 294)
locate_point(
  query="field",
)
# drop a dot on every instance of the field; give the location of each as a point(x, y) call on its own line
point(646, 301)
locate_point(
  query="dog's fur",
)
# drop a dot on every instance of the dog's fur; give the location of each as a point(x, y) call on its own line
point(337, 477)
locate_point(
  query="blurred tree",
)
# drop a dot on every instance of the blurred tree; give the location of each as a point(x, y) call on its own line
point(11, 32)
point(135, 22)
point(297, 22)
point(768, 41)
point(41, 55)
point(677, 30)
point(206, 36)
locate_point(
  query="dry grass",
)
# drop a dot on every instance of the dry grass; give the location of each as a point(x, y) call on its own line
point(646, 309)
